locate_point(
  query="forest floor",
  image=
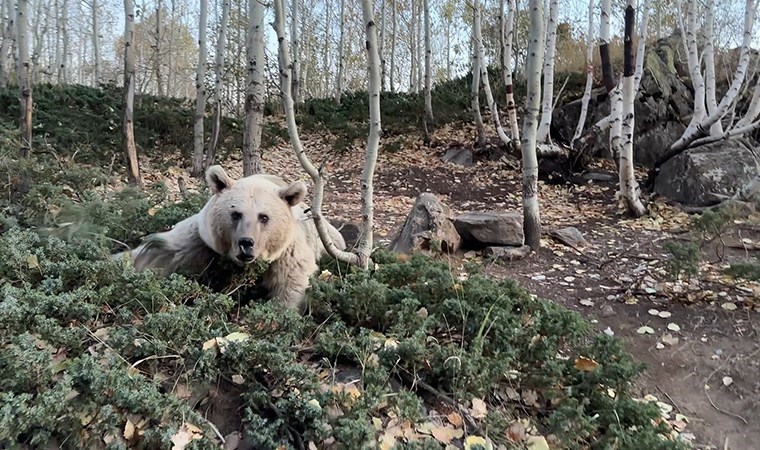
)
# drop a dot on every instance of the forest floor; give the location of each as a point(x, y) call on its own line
point(699, 337)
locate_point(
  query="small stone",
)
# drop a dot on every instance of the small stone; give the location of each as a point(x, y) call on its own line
point(607, 311)
point(507, 253)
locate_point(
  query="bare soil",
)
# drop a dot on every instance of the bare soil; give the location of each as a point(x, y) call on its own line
point(708, 369)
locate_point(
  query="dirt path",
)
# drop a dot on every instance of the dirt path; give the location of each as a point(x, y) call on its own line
point(615, 280)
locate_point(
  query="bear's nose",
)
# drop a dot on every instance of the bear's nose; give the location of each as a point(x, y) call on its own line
point(246, 246)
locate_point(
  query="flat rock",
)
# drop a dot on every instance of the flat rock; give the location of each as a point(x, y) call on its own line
point(427, 227)
point(569, 236)
point(491, 228)
point(507, 253)
point(708, 174)
point(460, 156)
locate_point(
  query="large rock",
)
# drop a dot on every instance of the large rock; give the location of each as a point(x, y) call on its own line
point(429, 221)
point(705, 175)
point(460, 156)
point(350, 232)
point(484, 228)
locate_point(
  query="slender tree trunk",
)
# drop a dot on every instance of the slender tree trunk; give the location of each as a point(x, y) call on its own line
point(24, 79)
point(393, 47)
point(326, 48)
point(341, 52)
point(709, 59)
point(448, 50)
point(428, 69)
point(157, 52)
point(548, 89)
point(130, 150)
point(753, 110)
point(629, 188)
point(221, 47)
point(413, 49)
point(419, 42)
point(6, 44)
point(63, 69)
point(589, 72)
point(365, 245)
point(200, 92)
point(475, 94)
point(506, 68)
point(295, 44)
point(38, 40)
point(531, 212)
point(287, 103)
point(381, 46)
point(492, 107)
point(170, 51)
point(96, 44)
point(254, 99)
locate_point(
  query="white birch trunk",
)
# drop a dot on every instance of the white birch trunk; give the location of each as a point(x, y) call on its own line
point(413, 86)
point(5, 46)
point(531, 212)
point(24, 77)
point(753, 110)
point(589, 73)
point(475, 94)
point(699, 128)
point(200, 92)
point(170, 52)
point(128, 136)
point(381, 45)
point(157, 52)
point(548, 89)
point(254, 99)
point(365, 244)
point(692, 59)
point(492, 107)
point(506, 63)
point(96, 76)
point(296, 46)
point(63, 69)
point(221, 46)
point(629, 188)
point(709, 60)
point(341, 52)
point(326, 49)
point(428, 69)
point(290, 117)
point(393, 47)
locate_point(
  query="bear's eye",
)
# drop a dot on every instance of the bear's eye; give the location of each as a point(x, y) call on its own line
point(263, 218)
point(236, 215)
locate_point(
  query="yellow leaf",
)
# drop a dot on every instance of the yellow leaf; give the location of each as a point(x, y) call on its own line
point(184, 435)
point(152, 211)
point(237, 336)
point(211, 343)
point(537, 443)
point(585, 364)
point(32, 262)
point(472, 441)
point(455, 419)
point(129, 430)
point(446, 434)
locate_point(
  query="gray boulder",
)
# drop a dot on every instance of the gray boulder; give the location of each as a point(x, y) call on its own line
point(708, 174)
point(460, 156)
point(507, 253)
point(429, 221)
point(491, 228)
point(570, 236)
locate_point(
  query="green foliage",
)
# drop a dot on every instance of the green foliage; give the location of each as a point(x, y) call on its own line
point(749, 270)
point(684, 258)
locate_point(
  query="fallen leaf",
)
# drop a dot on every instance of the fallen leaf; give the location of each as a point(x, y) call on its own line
point(585, 364)
point(238, 379)
point(674, 327)
point(32, 262)
point(653, 312)
point(728, 306)
point(129, 430)
point(455, 419)
point(586, 302)
point(669, 339)
point(516, 432)
point(664, 314)
point(186, 433)
point(727, 381)
point(660, 346)
point(472, 441)
point(446, 434)
point(537, 443)
point(645, 330)
point(479, 409)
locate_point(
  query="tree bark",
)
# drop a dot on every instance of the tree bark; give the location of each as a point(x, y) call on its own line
point(6, 44)
point(428, 69)
point(507, 35)
point(221, 46)
point(326, 49)
point(709, 59)
point(130, 150)
point(254, 100)
point(589, 72)
point(157, 52)
point(492, 107)
point(294, 42)
point(24, 79)
point(531, 212)
point(548, 89)
point(96, 44)
point(63, 70)
point(170, 51)
point(381, 45)
point(341, 52)
point(290, 117)
point(753, 110)
point(200, 92)
point(393, 47)
point(629, 188)
point(475, 95)
point(413, 86)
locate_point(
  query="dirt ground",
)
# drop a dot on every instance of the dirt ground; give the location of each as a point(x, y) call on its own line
point(702, 353)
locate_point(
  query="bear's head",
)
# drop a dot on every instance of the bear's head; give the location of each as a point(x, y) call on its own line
point(251, 218)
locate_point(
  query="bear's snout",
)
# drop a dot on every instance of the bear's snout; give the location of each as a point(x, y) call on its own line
point(245, 245)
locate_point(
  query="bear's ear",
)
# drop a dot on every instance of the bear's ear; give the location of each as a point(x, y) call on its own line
point(294, 193)
point(218, 180)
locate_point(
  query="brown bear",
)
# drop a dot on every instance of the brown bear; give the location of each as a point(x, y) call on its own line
point(259, 217)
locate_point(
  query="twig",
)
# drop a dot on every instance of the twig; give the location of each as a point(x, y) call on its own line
point(669, 398)
point(150, 358)
point(474, 428)
point(728, 413)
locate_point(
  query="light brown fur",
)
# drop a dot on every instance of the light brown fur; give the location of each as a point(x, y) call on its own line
point(260, 208)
